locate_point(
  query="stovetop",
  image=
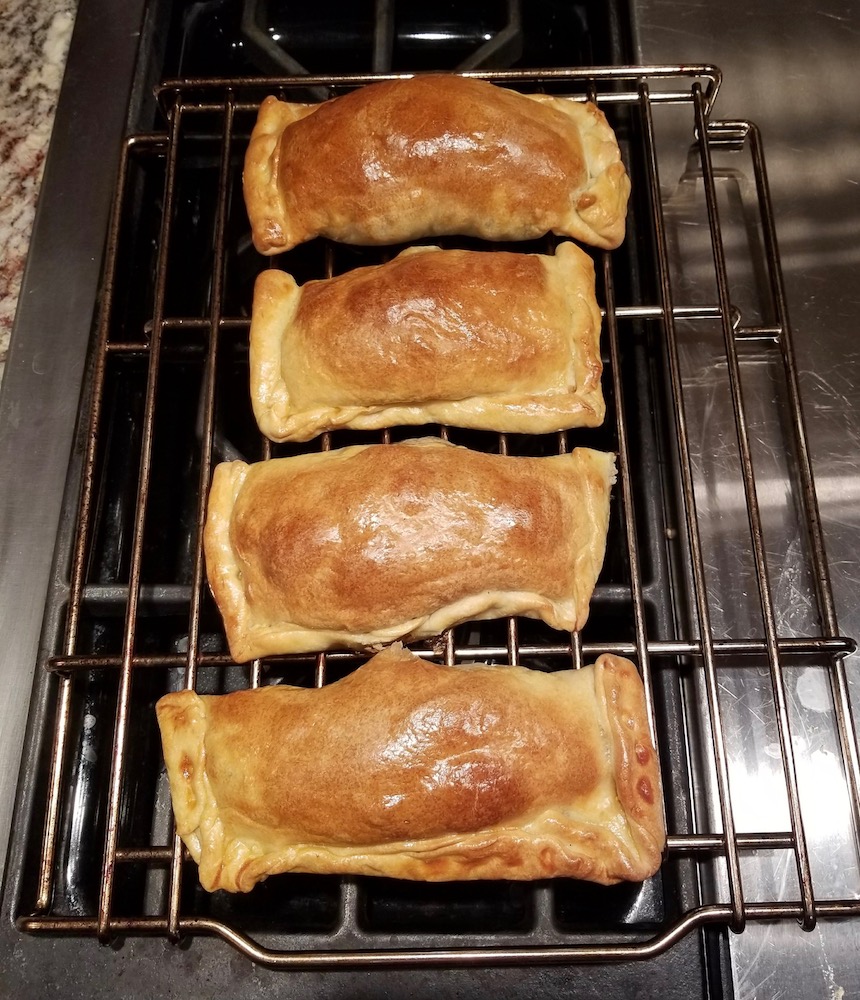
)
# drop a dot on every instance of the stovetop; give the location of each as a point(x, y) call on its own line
point(762, 861)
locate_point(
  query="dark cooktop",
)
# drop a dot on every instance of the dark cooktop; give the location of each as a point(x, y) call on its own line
point(167, 391)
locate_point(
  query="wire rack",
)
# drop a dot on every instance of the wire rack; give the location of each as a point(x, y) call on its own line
point(192, 345)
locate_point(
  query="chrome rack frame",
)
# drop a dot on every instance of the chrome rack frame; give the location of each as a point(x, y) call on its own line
point(713, 844)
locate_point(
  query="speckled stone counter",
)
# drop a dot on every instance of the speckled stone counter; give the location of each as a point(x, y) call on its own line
point(36, 36)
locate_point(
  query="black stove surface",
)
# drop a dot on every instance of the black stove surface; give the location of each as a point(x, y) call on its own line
point(242, 38)
point(235, 38)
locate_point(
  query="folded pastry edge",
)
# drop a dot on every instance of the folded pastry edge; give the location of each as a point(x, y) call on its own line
point(599, 215)
point(276, 300)
point(636, 767)
point(271, 232)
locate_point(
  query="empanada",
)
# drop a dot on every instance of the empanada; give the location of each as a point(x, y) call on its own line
point(373, 543)
point(417, 771)
point(495, 341)
point(433, 155)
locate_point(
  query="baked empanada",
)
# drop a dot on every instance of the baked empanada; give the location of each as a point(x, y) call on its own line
point(372, 543)
point(495, 341)
point(417, 771)
point(433, 155)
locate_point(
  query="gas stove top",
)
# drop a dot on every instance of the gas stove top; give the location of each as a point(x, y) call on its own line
point(695, 317)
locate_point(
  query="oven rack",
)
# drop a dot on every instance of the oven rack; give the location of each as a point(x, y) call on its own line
point(207, 126)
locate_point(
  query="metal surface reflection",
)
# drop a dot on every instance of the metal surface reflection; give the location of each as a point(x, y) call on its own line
point(788, 68)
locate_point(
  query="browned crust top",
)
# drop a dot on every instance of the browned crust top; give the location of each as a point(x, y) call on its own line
point(446, 137)
point(430, 155)
point(413, 770)
point(395, 532)
point(401, 750)
point(436, 325)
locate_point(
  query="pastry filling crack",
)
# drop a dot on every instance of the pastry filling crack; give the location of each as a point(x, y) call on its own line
point(368, 544)
point(408, 342)
point(418, 771)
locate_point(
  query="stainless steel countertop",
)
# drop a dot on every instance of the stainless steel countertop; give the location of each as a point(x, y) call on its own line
point(789, 68)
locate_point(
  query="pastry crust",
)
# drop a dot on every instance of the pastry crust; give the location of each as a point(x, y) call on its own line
point(372, 543)
point(433, 155)
point(417, 771)
point(495, 341)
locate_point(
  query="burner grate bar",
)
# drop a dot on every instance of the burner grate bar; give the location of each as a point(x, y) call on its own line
point(504, 48)
point(383, 36)
point(170, 597)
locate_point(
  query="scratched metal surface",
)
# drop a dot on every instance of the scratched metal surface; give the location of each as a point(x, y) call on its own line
point(790, 68)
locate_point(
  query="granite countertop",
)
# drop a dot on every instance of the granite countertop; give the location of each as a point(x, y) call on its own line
point(36, 37)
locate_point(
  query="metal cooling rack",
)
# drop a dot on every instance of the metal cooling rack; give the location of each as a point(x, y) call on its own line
point(197, 333)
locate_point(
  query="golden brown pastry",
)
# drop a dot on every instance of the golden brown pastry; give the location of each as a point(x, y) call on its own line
point(496, 341)
point(373, 543)
point(433, 155)
point(417, 771)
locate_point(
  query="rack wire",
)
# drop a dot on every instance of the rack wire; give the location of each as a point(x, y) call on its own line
point(215, 115)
